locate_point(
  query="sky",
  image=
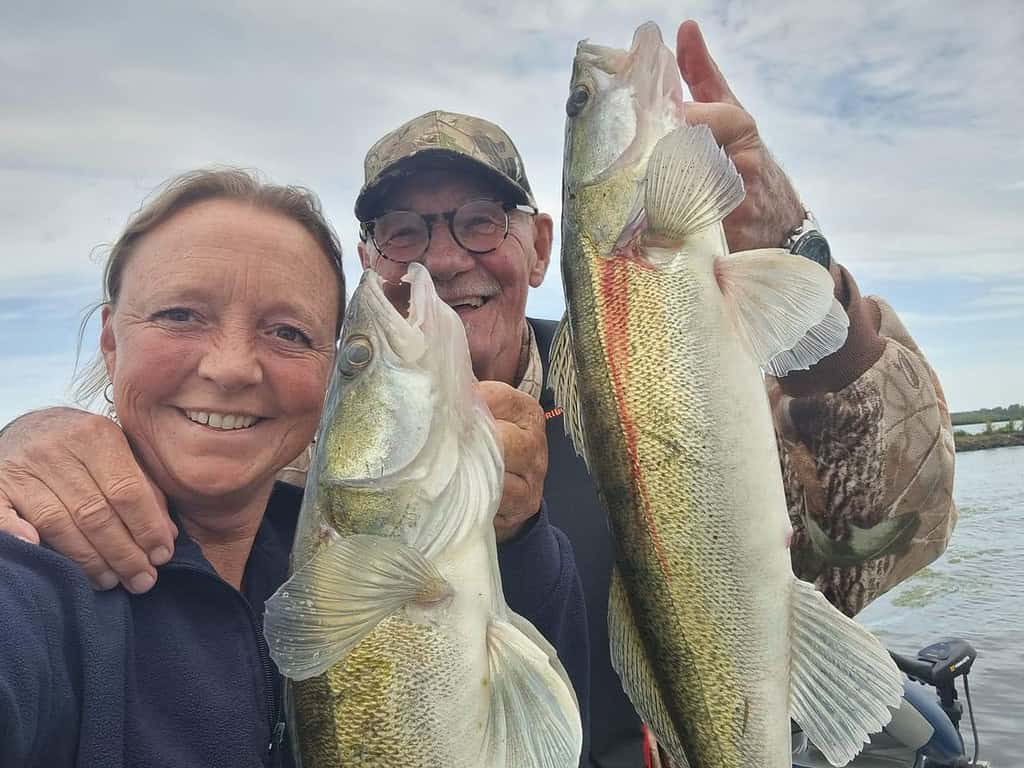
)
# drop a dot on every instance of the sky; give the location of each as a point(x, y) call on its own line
point(900, 128)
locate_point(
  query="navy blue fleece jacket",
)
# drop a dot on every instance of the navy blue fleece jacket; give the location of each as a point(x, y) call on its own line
point(180, 676)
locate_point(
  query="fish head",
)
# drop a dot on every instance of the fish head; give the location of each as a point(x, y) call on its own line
point(401, 410)
point(620, 104)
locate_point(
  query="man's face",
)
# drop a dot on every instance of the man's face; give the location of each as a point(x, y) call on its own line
point(487, 290)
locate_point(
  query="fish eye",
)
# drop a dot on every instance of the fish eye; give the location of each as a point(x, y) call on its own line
point(577, 100)
point(356, 354)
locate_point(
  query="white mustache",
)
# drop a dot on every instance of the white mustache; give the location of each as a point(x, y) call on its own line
point(448, 292)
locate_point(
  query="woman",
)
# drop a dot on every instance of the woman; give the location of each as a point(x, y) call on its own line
point(223, 299)
point(223, 305)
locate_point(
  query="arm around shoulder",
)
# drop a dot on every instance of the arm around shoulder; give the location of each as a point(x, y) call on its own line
point(867, 455)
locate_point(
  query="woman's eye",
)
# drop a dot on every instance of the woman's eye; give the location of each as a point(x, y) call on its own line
point(290, 333)
point(176, 315)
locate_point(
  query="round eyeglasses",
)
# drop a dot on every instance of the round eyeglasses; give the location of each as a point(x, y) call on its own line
point(478, 226)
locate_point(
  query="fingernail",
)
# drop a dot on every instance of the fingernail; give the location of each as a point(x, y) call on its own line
point(107, 580)
point(141, 583)
point(159, 555)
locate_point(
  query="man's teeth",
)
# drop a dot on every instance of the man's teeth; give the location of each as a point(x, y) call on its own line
point(473, 301)
point(221, 420)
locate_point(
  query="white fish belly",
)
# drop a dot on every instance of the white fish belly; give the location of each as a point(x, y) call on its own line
point(756, 518)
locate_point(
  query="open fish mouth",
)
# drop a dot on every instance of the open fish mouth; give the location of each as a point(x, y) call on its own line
point(408, 311)
point(397, 310)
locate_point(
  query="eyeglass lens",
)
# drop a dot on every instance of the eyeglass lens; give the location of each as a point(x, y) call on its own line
point(478, 226)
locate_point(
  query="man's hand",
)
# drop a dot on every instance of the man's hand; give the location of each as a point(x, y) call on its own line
point(771, 209)
point(69, 478)
point(520, 421)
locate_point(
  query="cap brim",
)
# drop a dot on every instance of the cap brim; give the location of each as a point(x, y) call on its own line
point(372, 198)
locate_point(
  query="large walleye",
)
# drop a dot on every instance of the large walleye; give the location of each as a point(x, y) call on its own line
point(658, 368)
point(393, 629)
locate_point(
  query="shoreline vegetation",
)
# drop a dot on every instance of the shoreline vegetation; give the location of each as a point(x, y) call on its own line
point(1010, 433)
point(988, 415)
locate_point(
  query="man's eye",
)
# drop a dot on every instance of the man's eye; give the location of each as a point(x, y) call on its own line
point(290, 333)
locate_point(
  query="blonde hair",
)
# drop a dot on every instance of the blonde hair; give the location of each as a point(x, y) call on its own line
point(299, 204)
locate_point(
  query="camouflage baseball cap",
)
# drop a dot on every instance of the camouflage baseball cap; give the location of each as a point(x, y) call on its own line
point(442, 140)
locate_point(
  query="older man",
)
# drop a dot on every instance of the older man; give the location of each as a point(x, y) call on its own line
point(864, 436)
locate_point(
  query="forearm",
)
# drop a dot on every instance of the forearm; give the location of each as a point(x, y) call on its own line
point(867, 458)
point(538, 571)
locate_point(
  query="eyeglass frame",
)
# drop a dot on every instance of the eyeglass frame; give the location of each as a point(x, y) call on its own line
point(429, 219)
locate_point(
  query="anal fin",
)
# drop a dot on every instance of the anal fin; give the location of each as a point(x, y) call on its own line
point(629, 659)
point(338, 597)
point(843, 683)
point(534, 722)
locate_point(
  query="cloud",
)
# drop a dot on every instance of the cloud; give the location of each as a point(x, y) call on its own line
point(899, 126)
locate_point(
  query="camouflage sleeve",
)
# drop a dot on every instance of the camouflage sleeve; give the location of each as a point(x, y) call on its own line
point(867, 456)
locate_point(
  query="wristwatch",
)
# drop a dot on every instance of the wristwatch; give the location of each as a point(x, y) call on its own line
point(807, 240)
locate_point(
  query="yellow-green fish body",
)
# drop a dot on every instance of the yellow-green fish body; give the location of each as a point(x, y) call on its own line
point(393, 630)
point(658, 367)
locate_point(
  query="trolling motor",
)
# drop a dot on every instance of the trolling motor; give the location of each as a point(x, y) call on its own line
point(939, 665)
point(924, 732)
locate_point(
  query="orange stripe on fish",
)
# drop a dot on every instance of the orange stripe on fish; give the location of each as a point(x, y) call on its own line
point(614, 278)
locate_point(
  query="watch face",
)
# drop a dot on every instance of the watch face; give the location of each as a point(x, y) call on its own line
point(814, 246)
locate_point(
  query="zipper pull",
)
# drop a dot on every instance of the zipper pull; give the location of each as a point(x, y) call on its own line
point(276, 738)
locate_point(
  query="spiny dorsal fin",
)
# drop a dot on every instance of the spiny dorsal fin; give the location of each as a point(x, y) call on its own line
point(562, 380)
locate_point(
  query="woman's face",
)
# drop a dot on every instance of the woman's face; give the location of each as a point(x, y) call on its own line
point(220, 348)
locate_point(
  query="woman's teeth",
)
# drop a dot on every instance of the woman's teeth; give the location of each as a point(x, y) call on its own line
point(221, 420)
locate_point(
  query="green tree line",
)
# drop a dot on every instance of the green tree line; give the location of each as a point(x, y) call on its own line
point(1014, 411)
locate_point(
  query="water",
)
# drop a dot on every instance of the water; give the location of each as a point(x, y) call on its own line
point(975, 591)
point(977, 429)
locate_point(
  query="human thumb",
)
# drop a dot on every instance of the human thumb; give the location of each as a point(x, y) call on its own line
point(698, 69)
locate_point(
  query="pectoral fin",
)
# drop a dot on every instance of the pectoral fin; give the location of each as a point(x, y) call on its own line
point(338, 597)
point(843, 683)
point(690, 184)
point(783, 307)
point(534, 721)
point(863, 544)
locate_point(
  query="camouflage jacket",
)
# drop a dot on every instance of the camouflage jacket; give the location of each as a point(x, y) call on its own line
point(867, 456)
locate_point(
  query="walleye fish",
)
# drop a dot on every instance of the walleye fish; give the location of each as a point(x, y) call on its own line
point(393, 630)
point(658, 366)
